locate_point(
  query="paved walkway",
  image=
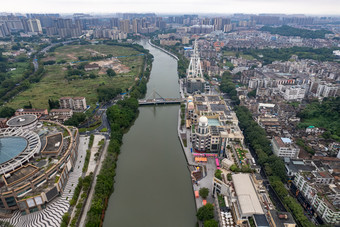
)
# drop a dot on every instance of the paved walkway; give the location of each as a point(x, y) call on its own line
point(94, 150)
point(89, 198)
point(52, 214)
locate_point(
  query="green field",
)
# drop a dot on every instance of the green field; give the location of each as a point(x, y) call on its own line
point(54, 85)
point(20, 69)
point(72, 52)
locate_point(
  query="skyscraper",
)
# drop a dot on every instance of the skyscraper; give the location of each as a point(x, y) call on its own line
point(34, 25)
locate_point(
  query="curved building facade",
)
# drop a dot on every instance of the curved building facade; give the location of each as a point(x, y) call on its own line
point(26, 122)
point(32, 179)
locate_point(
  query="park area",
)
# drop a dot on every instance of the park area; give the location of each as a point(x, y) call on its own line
point(67, 60)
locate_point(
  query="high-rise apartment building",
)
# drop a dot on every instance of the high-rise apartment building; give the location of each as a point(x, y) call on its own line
point(34, 25)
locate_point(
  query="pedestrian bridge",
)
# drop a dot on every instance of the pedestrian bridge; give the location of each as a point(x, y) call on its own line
point(160, 100)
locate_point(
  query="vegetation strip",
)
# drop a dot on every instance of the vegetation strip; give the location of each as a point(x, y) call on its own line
point(121, 116)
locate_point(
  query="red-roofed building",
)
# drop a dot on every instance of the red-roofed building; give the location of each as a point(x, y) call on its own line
point(37, 112)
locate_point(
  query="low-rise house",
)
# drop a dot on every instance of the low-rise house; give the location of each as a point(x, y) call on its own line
point(37, 112)
point(90, 67)
point(61, 114)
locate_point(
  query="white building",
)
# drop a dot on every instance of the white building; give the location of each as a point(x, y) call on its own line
point(291, 93)
point(324, 196)
point(283, 147)
point(77, 104)
point(247, 201)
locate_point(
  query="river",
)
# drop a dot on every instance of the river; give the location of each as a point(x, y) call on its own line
point(153, 186)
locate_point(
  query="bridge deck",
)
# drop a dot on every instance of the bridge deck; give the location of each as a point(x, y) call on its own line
point(160, 101)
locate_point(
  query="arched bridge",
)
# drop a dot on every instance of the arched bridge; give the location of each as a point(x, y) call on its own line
point(153, 100)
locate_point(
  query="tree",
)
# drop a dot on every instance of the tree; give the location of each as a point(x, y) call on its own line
point(53, 104)
point(252, 93)
point(211, 223)
point(229, 178)
point(205, 212)
point(6, 112)
point(218, 174)
point(111, 73)
point(28, 106)
point(204, 192)
point(76, 119)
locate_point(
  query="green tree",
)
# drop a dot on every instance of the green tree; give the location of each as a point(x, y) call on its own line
point(205, 212)
point(252, 93)
point(211, 223)
point(218, 174)
point(76, 119)
point(53, 104)
point(204, 192)
point(6, 111)
point(111, 73)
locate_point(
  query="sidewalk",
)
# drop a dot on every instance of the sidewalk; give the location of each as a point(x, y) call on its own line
point(95, 174)
point(94, 150)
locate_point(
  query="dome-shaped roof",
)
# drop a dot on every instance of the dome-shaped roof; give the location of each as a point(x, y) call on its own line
point(203, 121)
point(191, 106)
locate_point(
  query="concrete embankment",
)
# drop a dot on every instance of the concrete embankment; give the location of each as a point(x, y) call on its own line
point(162, 49)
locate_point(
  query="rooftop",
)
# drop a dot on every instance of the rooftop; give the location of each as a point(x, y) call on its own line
point(53, 143)
point(282, 219)
point(23, 120)
point(246, 194)
point(20, 173)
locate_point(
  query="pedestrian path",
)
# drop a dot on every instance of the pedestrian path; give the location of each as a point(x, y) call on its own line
point(52, 214)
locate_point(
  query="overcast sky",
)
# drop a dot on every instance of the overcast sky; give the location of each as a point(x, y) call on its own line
point(320, 7)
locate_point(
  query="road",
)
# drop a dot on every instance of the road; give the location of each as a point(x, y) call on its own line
point(44, 51)
point(89, 198)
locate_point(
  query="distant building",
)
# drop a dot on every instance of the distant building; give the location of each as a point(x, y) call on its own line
point(61, 114)
point(283, 147)
point(34, 25)
point(293, 93)
point(66, 103)
point(323, 194)
point(90, 67)
point(77, 104)
point(37, 112)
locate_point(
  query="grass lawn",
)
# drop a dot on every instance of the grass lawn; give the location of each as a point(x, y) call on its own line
point(20, 69)
point(54, 85)
point(241, 154)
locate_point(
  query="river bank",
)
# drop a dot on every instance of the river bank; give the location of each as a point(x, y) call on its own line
point(154, 183)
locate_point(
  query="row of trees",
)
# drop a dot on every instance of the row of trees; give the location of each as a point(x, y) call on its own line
point(121, 116)
point(273, 165)
point(291, 31)
point(227, 86)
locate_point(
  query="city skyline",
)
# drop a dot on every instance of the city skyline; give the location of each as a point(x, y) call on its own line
point(309, 7)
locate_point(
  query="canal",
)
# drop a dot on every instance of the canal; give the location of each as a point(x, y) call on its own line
point(153, 185)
